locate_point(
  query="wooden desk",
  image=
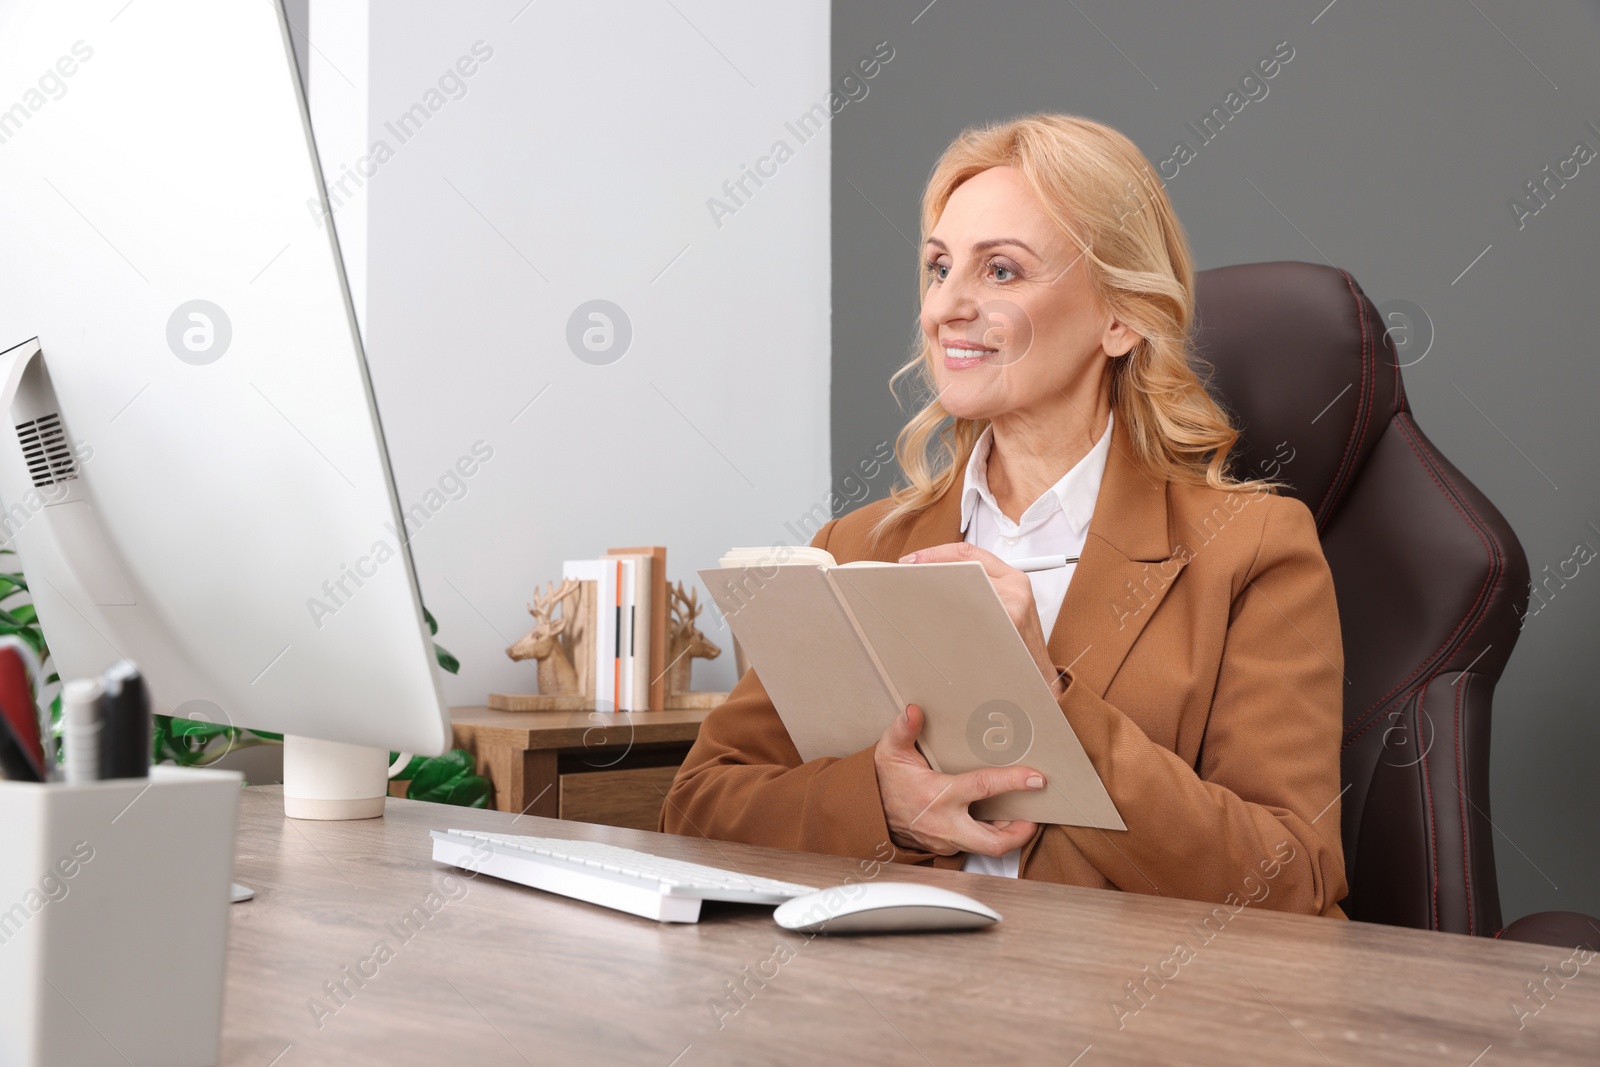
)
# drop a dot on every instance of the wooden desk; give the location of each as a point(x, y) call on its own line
point(587, 766)
point(500, 974)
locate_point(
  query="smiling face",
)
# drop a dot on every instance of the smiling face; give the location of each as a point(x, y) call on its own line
point(1008, 310)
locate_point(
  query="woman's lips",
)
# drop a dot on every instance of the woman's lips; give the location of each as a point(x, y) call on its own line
point(959, 357)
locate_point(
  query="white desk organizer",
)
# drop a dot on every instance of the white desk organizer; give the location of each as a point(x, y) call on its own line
point(114, 919)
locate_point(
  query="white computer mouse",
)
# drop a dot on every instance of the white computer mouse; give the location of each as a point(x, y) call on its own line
point(882, 907)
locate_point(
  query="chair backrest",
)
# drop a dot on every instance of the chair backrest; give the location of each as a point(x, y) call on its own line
point(1431, 581)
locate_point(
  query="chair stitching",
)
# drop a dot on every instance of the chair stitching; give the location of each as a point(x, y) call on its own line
point(1496, 552)
point(1357, 424)
point(1476, 522)
point(1427, 796)
point(1461, 778)
point(1369, 362)
point(1400, 424)
point(1497, 562)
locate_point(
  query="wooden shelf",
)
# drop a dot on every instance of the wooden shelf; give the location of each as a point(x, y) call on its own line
point(602, 767)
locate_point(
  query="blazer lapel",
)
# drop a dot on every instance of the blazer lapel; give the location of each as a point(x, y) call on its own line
point(1125, 571)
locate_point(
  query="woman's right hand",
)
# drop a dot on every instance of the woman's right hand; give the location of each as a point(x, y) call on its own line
point(927, 810)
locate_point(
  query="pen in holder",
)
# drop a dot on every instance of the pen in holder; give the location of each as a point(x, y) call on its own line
point(114, 918)
point(82, 720)
point(100, 872)
point(125, 732)
point(27, 747)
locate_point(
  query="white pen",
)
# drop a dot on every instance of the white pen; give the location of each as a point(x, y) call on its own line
point(82, 715)
point(1041, 563)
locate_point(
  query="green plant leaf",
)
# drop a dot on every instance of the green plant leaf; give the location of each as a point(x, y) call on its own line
point(440, 770)
point(446, 660)
point(168, 744)
point(437, 776)
point(160, 738)
point(31, 634)
point(470, 792)
point(200, 730)
point(410, 773)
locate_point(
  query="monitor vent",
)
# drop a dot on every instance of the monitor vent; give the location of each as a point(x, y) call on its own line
point(44, 446)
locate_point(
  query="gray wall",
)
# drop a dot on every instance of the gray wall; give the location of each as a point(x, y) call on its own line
point(1394, 140)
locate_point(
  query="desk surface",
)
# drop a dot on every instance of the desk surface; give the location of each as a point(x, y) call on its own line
point(499, 974)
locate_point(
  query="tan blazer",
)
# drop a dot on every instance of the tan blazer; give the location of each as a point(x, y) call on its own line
point(1200, 638)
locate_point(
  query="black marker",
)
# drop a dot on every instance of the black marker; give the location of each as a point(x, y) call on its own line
point(125, 735)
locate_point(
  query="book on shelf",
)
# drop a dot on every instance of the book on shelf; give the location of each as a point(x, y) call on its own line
point(624, 660)
point(636, 635)
point(650, 615)
point(842, 648)
point(622, 656)
point(601, 625)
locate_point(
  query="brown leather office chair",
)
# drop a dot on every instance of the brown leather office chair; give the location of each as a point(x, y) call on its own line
point(1431, 583)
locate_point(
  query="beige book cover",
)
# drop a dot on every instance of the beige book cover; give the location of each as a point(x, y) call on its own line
point(641, 632)
point(658, 600)
point(841, 649)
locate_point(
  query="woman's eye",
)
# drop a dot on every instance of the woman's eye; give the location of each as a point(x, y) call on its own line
point(938, 270)
point(999, 270)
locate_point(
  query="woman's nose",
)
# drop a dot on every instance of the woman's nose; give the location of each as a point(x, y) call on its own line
point(951, 300)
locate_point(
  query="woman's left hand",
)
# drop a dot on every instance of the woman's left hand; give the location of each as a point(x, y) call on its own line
point(1016, 593)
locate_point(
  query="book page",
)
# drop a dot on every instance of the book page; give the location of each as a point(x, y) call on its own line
point(802, 646)
point(944, 638)
point(777, 555)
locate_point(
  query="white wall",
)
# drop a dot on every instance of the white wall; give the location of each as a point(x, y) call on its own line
point(338, 89)
point(575, 163)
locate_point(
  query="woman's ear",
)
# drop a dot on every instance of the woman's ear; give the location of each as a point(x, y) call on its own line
point(1119, 335)
point(1119, 339)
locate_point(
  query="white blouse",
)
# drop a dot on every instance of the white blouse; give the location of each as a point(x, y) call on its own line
point(1057, 522)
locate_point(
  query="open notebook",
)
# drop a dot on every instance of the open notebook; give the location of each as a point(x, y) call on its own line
point(841, 649)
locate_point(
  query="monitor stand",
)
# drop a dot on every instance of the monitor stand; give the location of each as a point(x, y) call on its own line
point(329, 780)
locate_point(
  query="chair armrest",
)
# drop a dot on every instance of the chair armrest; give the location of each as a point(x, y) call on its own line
point(1563, 929)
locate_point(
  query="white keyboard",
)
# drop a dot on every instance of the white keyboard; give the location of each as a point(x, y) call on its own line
point(654, 887)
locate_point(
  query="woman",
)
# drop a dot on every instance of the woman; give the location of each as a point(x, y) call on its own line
point(1197, 656)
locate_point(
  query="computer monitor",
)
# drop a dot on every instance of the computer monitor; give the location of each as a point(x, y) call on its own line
point(191, 462)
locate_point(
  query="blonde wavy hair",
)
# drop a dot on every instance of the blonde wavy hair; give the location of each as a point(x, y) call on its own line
point(1104, 195)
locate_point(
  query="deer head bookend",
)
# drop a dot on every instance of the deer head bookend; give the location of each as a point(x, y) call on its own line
point(686, 642)
point(543, 642)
